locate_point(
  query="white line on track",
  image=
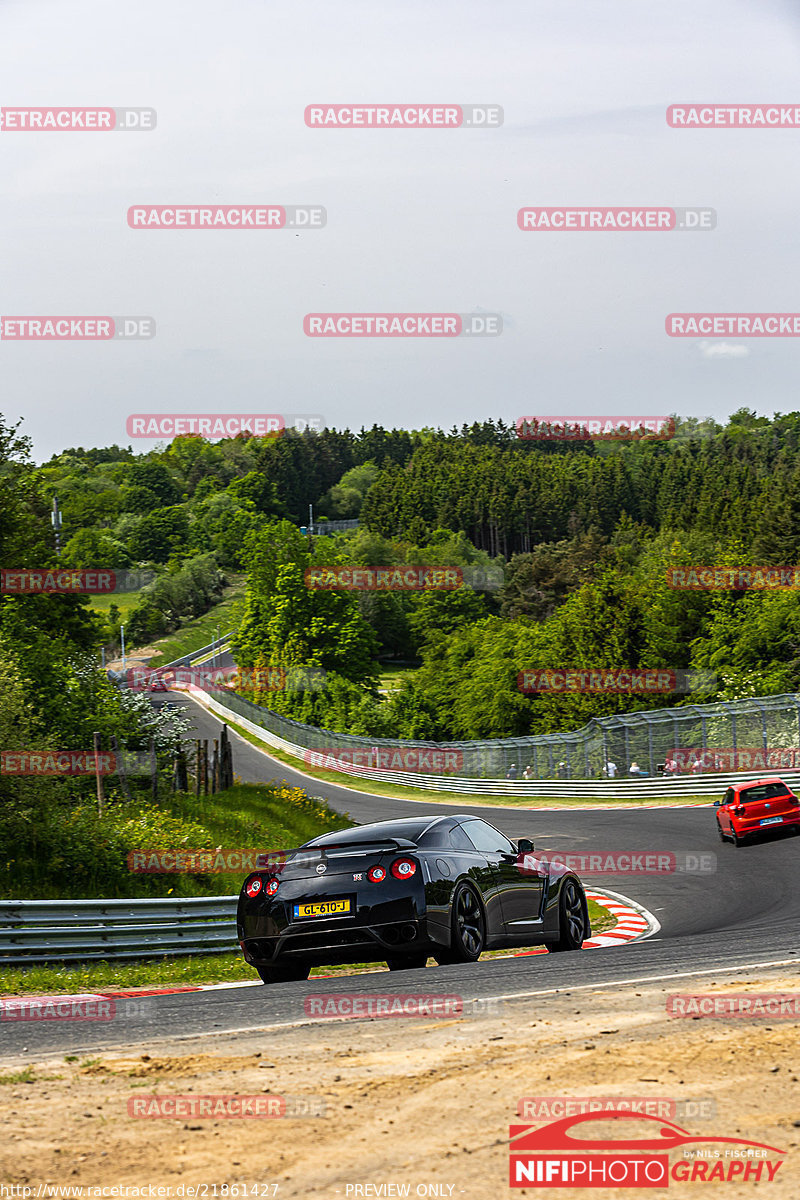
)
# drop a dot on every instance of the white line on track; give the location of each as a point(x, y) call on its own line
point(582, 987)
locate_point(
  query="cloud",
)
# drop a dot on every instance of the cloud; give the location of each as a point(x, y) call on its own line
point(723, 349)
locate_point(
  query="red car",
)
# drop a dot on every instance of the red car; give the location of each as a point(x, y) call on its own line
point(755, 807)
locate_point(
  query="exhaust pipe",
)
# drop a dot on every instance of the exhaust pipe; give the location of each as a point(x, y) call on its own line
point(408, 932)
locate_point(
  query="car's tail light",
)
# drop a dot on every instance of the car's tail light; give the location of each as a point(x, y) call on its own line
point(403, 868)
point(272, 886)
point(740, 810)
point(253, 886)
point(376, 874)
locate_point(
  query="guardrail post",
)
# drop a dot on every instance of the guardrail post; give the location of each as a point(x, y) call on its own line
point(153, 770)
point(98, 775)
point(120, 764)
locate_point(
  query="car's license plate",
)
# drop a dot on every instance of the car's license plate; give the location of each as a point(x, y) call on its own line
point(323, 908)
point(771, 821)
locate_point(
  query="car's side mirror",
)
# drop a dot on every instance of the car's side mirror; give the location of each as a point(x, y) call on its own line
point(717, 803)
point(525, 845)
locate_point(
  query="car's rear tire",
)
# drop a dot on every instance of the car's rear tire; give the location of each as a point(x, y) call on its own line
point(292, 972)
point(409, 962)
point(573, 917)
point(467, 928)
point(737, 841)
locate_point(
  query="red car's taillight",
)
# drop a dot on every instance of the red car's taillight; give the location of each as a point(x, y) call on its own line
point(253, 886)
point(272, 886)
point(376, 874)
point(403, 868)
point(740, 810)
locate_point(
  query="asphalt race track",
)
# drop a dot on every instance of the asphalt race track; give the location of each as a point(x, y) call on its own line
point(745, 913)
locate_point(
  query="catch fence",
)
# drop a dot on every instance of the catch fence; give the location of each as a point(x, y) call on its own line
point(721, 738)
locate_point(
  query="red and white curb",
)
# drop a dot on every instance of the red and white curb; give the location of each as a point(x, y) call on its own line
point(630, 806)
point(634, 923)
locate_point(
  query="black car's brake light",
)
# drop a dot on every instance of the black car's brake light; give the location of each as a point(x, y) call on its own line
point(253, 886)
point(376, 874)
point(403, 868)
point(272, 885)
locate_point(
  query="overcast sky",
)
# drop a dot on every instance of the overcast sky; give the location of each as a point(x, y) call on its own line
point(418, 220)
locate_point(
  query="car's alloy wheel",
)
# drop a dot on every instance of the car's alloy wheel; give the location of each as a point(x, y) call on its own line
point(572, 922)
point(467, 928)
point(290, 972)
point(408, 962)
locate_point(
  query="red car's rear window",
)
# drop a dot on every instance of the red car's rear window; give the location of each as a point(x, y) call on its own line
point(766, 791)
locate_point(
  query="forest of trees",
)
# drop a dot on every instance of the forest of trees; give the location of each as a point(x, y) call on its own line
point(580, 534)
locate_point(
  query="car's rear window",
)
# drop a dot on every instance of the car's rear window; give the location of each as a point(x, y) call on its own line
point(410, 829)
point(766, 791)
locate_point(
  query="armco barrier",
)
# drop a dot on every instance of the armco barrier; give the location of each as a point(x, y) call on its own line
point(647, 737)
point(635, 788)
point(42, 931)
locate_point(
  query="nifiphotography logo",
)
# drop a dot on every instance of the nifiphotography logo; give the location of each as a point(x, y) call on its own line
point(552, 1156)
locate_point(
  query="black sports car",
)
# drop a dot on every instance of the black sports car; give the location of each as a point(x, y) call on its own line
point(400, 891)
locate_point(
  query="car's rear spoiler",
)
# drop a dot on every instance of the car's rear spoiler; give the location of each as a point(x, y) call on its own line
point(367, 844)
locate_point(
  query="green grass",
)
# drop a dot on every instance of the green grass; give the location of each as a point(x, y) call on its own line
point(124, 601)
point(257, 816)
point(392, 675)
point(225, 616)
point(26, 1075)
point(82, 856)
point(180, 972)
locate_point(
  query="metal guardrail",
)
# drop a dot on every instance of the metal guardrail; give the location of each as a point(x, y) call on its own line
point(45, 931)
point(758, 726)
point(188, 659)
point(627, 788)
